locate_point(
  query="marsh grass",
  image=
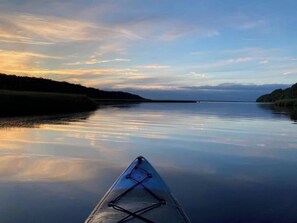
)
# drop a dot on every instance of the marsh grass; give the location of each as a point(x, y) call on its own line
point(20, 103)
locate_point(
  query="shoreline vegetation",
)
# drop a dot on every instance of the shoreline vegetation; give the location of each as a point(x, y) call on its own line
point(16, 103)
point(34, 84)
point(281, 98)
point(25, 96)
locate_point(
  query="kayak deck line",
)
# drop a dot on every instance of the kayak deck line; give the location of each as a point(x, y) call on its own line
point(138, 195)
point(137, 214)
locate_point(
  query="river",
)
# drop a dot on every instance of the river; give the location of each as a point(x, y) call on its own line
point(224, 162)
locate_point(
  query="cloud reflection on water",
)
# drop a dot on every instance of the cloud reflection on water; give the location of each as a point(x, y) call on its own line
point(37, 121)
point(214, 156)
point(33, 168)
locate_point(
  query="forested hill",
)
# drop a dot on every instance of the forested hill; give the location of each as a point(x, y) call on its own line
point(279, 94)
point(20, 83)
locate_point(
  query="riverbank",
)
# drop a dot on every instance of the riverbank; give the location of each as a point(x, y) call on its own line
point(24, 103)
point(23, 96)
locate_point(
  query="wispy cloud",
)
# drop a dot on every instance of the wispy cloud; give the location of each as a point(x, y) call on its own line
point(252, 24)
point(197, 75)
point(29, 28)
point(291, 72)
point(239, 52)
point(154, 66)
point(8, 53)
point(111, 48)
point(99, 77)
point(226, 62)
point(244, 21)
point(264, 62)
point(10, 34)
point(19, 61)
point(239, 60)
point(181, 29)
point(96, 61)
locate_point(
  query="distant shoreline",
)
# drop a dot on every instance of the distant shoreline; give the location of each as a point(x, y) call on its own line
point(115, 101)
point(233, 101)
point(27, 103)
point(100, 101)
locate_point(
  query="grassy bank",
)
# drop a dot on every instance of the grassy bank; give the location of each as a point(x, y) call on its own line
point(16, 103)
point(286, 103)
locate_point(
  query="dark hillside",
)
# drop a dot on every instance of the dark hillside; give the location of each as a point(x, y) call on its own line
point(279, 94)
point(16, 103)
point(19, 83)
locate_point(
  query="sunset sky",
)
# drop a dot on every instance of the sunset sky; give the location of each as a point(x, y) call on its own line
point(151, 45)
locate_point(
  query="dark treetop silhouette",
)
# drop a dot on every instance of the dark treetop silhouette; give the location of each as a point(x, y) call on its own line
point(21, 96)
point(280, 94)
point(19, 83)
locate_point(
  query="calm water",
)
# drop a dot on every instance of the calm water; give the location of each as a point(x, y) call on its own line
point(225, 162)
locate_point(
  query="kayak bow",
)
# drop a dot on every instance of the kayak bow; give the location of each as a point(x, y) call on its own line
point(138, 195)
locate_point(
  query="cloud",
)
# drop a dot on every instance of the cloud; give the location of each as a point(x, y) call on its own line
point(240, 52)
point(96, 61)
point(291, 72)
point(237, 63)
point(21, 61)
point(252, 24)
point(184, 29)
point(287, 73)
point(98, 77)
point(9, 33)
point(244, 21)
point(224, 63)
point(264, 62)
point(111, 48)
point(154, 66)
point(197, 75)
point(28, 28)
point(137, 44)
point(91, 23)
point(8, 53)
point(162, 28)
point(239, 60)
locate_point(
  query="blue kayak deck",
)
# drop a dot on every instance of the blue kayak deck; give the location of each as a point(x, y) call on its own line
point(138, 195)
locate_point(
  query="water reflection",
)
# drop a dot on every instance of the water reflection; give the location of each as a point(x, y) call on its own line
point(28, 168)
point(290, 112)
point(36, 121)
point(225, 162)
point(43, 189)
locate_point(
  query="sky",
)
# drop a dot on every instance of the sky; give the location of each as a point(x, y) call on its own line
point(158, 48)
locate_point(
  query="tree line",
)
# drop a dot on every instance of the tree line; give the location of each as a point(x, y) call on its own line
point(24, 83)
point(280, 94)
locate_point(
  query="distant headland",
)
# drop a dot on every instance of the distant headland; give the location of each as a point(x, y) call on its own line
point(21, 95)
point(281, 98)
